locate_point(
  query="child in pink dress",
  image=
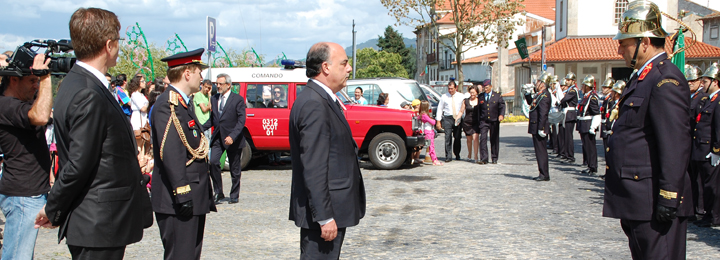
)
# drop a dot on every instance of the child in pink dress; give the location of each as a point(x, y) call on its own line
point(428, 127)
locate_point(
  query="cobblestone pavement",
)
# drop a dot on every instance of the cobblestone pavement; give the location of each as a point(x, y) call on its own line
point(457, 211)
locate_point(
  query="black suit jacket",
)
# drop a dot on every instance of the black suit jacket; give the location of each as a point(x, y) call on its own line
point(570, 100)
point(649, 150)
point(539, 109)
point(589, 106)
point(706, 133)
point(230, 123)
point(98, 199)
point(696, 104)
point(490, 110)
point(326, 179)
point(170, 170)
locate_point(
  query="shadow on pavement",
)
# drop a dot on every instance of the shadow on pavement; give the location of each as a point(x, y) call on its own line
point(519, 176)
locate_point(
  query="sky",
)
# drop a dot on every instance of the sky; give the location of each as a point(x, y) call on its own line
point(271, 27)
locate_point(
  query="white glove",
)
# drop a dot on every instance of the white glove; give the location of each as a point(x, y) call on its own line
point(714, 159)
point(528, 89)
point(595, 124)
point(541, 133)
point(591, 131)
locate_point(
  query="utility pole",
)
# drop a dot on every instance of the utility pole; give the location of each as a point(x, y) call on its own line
point(542, 62)
point(354, 50)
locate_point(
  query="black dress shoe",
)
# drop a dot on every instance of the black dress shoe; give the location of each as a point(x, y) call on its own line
point(457, 157)
point(482, 162)
point(541, 179)
point(233, 201)
point(448, 160)
point(494, 162)
point(589, 171)
point(219, 198)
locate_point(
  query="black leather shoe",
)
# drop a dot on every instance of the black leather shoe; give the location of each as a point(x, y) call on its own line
point(457, 157)
point(448, 160)
point(482, 162)
point(494, 162)
point(589, 171)
point(233, 201)
point(541, 179)
point(219, 198)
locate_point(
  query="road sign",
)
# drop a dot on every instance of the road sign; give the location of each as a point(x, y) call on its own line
point(522, 48)
point(211, 34)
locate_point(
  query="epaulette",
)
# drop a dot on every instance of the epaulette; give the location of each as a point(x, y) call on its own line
point(173, 99)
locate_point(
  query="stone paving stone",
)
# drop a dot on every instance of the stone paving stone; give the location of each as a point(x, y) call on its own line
point(457, 211)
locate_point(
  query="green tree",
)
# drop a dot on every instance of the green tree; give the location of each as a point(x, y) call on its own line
point(476, 23)
point(393, 42)
point(125, 64)
point(371, 64)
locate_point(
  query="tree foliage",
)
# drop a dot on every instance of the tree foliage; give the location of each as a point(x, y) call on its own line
point(477, 23)
point(125, 64)
point(393, 42)
point(371, 64)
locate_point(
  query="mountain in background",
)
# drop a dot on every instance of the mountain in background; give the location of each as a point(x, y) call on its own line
point(372, 43)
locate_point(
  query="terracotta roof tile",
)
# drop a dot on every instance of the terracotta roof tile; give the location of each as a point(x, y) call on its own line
point(510, 93)
point(493, 56)
point(543, 8)
point(605, 49)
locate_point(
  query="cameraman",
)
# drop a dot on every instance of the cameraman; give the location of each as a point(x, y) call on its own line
point(25, 178)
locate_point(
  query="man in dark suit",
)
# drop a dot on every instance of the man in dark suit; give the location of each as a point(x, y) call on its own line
point(538, 123)
point(698, 98)
point(491, 112)
point(589, 123)
point(99, 200)
point(328, 194)
point(228, 118)
point(646, 185)
point(569, 104)
point(181, 194)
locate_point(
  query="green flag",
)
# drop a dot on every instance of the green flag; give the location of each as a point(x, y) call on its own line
point(679, 58)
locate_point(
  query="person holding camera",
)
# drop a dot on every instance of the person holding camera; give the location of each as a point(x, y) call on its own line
point(99, 199)
point(25, 180)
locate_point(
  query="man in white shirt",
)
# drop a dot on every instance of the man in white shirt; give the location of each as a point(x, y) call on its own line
point(448, 118)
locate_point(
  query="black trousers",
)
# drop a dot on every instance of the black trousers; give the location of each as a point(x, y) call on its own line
point(92, 253)
point(312, 246)
point(561, 141)
point(569, 140)
point(655, 240)
point(710, 177)
point(541, 155)
point(697, 186)
point(554, 138)
point(451, 131)
point(589, 150)
point(182, 237)
point(233, 155)
point(494, 128)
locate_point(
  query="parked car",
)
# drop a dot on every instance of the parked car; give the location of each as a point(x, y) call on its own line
point(385, 135)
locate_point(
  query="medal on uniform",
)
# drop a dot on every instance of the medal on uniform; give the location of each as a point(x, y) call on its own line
point(194, 133)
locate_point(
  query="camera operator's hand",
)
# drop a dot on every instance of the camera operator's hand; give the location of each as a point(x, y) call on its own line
point(39, 114)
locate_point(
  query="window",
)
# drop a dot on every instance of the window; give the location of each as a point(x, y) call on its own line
point(620, 7)
point(714, 32)
point(562, 12)
point(263, 96)
point(370, 92)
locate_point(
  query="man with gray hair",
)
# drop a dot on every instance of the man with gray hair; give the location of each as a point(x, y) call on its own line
point(227, 115)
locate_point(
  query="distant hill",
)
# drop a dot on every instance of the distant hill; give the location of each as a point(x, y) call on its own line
point(372, 43)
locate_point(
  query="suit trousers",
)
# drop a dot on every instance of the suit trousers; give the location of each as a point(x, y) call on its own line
point(711, 190)
point(656, 240)
point(541, 155)
point(92, 253)
point(312, 246)
point(233, 155)
point(494, 128)
point(182, 237)
point(697, 186)
point(561, 141)
point(589, 150)
point(554, 138)
point(451, 131)
point(569, 140)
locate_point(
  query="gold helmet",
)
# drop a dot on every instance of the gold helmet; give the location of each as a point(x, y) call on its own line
point(555, 79)
point(692, 72)
point(589, 81)
point(608, 82)
point(563, 82)
point(712, 72)
point(619, 86)
point(642, 19)
point(570, 76)
point(546, 78)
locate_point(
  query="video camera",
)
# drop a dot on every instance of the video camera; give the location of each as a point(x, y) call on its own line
point(21, 61)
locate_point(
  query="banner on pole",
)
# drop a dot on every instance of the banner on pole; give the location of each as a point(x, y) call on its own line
point(211, 34)
point(522, 48)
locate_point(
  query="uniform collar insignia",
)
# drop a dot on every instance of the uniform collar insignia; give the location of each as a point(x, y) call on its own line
point(645, 71)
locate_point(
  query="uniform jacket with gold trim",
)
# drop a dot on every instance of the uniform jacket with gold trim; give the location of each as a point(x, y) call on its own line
point(539, 109)
point(590, 100)
point(706, 134)
point(648, 153)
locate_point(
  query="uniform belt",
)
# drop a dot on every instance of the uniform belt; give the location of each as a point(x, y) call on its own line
point(569, 109)
point(585, 118)
point(603, 121)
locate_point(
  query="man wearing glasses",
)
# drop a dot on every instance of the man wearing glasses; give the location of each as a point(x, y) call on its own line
point(228, 117)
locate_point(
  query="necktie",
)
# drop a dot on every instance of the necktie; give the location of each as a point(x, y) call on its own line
point(337, 102)
point(487, 96)
point(222, 104)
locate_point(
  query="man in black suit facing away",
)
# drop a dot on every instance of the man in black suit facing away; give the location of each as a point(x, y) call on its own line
point(228, 117)
point(328, 194)
point(98, 200)
point(181, 194)
point(538, 122)
point(647, 185)
point(492, 111)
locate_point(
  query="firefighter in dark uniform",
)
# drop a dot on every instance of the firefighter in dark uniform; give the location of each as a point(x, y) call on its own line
point(561, 125)
point(697, 100)
point(646, 184)
point(706, 136)
point(589, 123)
point(611, 111)
point(181, 189)
point(569, 105)
point(604, 109)
point(538, 123)
point(553, 142)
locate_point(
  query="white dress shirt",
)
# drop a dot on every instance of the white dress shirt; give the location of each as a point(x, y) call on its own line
point(95, 72)
point(223, 97)
point(445, 107)
point(327, 89)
